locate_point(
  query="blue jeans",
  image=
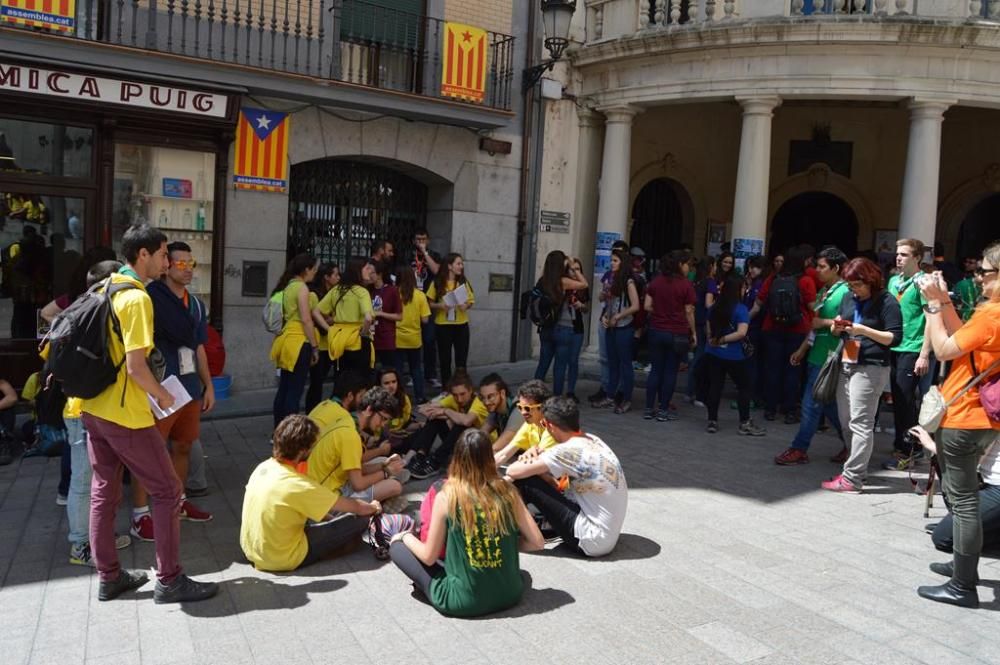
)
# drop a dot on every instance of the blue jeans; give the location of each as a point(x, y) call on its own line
point(291, 385)
point(811, 412)
point(783, 379)
point(665, 352)
point(563, 344)
point(546, 352)
point(621, 374)
point(414, 359)
point(574, 362)
point(78, 499)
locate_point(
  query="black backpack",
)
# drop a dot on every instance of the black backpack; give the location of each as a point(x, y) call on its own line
point(783, 301)
point(538, 307)
point(79, 353)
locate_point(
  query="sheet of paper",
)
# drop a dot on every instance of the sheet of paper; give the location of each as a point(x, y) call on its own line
point(181, 397)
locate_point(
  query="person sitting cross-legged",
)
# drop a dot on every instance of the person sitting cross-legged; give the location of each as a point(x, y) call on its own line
point(578, 485)
point(481, 522)
point(350, 385)
point(531, 434)
point(275, 533)
point(337, 464)
point(446, 419)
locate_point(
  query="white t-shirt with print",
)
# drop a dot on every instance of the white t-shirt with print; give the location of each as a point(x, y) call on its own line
point(597, 485)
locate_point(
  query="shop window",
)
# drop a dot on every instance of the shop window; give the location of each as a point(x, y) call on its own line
point(172, 190)
point(41, 244)
point(41, 148)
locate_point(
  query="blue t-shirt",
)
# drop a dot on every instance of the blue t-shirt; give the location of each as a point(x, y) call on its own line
point(198, 314)
point(700, 311)
point(733, 350)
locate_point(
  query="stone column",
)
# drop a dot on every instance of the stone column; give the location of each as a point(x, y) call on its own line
point(613, 205)
point(754, 175)
point(918, 212)
point(588, 177)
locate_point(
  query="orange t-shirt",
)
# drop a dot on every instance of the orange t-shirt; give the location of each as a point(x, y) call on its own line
point(981, 335)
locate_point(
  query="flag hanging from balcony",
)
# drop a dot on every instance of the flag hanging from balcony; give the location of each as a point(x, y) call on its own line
point(55, 15)
point(262, 150)
point(464, 62)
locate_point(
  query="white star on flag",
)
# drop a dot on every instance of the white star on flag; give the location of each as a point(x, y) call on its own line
point(264, 122)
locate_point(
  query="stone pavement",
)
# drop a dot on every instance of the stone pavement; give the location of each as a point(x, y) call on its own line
point(725, 558)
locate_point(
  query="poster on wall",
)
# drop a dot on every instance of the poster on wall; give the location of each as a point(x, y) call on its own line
point(602, 251)
point(885, 247)
point(744, 248)
point(463, 62)
point(55, 15)
point(716, 237)
point(262, 150)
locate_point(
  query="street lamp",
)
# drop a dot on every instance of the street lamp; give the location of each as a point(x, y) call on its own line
point(556, 18)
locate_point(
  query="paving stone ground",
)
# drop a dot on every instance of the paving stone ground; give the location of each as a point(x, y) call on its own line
point(725, 558)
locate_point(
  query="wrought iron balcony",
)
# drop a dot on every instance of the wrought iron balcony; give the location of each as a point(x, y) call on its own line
point(363, 43)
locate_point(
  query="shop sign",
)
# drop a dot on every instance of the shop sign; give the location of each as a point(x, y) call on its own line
point(55, 15)
point(32, 80)
point(554, 222)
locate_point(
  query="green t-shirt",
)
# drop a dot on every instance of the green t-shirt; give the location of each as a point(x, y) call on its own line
point(482, 574)
point(968, 293)
point(911, 306)
point(827, 307)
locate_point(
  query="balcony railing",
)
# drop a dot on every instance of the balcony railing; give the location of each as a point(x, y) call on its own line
point(364, 43)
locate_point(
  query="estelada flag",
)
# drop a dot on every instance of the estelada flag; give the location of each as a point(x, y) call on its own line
point(463, 72)
point(262, 150)
point(55, 15)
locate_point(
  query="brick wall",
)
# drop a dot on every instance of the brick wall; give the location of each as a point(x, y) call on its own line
point(492, 15)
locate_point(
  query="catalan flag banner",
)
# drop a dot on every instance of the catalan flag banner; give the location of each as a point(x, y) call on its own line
point(262, 150)
point(464, 62)
point(55, 15)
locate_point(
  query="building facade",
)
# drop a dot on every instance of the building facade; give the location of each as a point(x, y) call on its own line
point(854, 122)
point(130, 115)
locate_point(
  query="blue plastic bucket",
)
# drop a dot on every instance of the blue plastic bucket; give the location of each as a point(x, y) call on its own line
point(222, 384)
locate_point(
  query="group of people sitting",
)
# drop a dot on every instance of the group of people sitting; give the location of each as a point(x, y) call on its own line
point(519, 468)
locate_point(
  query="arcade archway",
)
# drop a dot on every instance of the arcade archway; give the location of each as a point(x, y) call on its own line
point(816, 218)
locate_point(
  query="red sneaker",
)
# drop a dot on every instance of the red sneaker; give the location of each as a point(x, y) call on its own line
point(193, 513)
point(142, 528)
point(840, 484)
point(791, 457)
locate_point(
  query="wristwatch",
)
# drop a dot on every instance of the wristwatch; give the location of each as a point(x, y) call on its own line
point(936, 310)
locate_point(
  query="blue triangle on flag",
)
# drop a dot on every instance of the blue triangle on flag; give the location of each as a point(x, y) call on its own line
point(263, 121)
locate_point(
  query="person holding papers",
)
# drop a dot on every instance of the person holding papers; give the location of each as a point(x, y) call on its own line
point(180, 331)
point(121, 430)
point(450, 298)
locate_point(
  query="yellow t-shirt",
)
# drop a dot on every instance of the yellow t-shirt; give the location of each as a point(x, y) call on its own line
point(320, 333)
point(290, 300)
point(352, 308)
point(441, 315)
point(338, 451)
point(408, 329)
point(73, 408)
point(277, 502)
point(135, 312)
point(477, 407)
point(529, 435)
point(330, 413)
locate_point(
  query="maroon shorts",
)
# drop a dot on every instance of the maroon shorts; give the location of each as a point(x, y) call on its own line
point(184, 425)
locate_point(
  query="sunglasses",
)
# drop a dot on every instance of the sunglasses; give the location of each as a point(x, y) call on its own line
point(982, 272)
point(185, 265)
point(527, 408)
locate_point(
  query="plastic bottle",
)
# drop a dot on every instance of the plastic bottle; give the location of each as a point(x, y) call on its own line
point(200, 220)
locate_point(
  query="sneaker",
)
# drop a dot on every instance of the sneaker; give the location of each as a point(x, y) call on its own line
point(749, 429)
point(598, 396)
point(840, 457)
point(698, 403)
point(624, 407)
point(61, 500)
point(605, 403)
point(664, 415)
point(190, 492)
point(791, 457)
point(122, 541)
point(712, 427)
point(184, 590)
point(142, 528)
point(902, 461)
point(840, 484)
point(647, 414)
point(770, 415)
point(420, 467)
point(791, 418)
point(193, 513)
point(79, 555)
point(128, 580)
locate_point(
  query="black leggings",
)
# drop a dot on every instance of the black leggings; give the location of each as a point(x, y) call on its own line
point(412, 567)
point(317, 375)
point(360, 360)
point(557, 509)
point(328, 537)
point(739, 372)
point(450, 337)
point(424, 438)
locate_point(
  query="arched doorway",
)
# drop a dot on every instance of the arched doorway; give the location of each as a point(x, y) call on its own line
point(658, 218)
point(816, 218)
point(980, 227)
point(337, 208)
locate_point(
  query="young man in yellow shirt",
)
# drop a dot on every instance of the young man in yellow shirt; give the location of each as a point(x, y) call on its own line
point(122, 430)
point(446, 419)
point(274, 532)
point(350, 385)
point(531, 435)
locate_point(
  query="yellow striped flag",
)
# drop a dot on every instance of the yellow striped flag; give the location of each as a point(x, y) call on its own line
point(56, 15)
point(463, 72)
point(262, 150)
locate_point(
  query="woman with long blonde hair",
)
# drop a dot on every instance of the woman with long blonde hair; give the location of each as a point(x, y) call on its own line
point(482, 523)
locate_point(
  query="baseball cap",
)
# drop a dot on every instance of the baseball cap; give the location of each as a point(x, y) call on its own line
point(637, 251)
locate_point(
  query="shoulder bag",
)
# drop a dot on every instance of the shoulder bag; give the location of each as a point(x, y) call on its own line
point(933, 406)
point(828, 379)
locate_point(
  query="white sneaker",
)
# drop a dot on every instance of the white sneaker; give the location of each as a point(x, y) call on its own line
point(61, 500)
